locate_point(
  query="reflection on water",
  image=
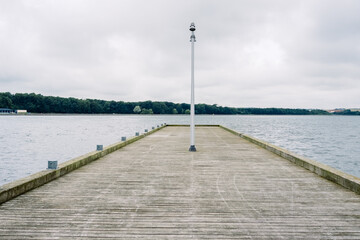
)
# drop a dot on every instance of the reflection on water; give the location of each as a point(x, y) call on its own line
point(28, 142)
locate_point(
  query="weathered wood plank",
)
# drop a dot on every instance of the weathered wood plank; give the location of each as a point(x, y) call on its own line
point(156, 189)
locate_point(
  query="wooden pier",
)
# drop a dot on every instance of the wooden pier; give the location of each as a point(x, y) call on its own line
point(156, 189)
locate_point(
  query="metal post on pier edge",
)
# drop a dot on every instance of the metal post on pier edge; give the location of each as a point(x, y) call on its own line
point(192, 108)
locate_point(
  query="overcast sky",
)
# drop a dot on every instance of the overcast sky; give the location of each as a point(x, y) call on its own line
point(249, 53)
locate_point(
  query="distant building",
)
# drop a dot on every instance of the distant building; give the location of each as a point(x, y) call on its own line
point(5, 111)
point(337, 110)
point(21, 111)
point(11, 111)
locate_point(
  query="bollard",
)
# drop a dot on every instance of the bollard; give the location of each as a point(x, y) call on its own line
point(52, 164)
point(99, 147)
point(123, 139)
point(146, 130)
point(137, 134)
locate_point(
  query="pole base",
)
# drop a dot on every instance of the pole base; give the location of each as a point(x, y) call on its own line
point(192, 148)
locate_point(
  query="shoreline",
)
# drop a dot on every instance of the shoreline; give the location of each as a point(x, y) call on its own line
point(180, 115)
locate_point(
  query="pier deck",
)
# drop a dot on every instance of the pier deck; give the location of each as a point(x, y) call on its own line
point(156, 189)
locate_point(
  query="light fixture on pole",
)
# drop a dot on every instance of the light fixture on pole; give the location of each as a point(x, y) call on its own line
point(192, 108)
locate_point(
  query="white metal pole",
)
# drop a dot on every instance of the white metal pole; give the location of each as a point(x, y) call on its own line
point(192, 108)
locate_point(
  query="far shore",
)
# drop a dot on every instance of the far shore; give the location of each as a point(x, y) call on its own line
point(175, 115)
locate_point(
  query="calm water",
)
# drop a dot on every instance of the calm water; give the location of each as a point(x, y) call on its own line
point(28, 142)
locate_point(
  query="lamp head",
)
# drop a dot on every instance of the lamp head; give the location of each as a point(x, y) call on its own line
point(192, 27)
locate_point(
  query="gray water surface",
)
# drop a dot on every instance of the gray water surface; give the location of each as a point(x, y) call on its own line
point(28, 142)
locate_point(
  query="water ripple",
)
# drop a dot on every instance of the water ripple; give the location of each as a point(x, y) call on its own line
point(28, 142)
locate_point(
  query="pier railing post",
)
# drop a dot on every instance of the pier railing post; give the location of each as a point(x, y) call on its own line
point(52, 165)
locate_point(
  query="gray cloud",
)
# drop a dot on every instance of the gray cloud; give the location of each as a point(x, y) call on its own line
point(248, 53)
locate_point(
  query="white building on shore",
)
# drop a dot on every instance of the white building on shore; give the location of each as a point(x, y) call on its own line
point(4, 111)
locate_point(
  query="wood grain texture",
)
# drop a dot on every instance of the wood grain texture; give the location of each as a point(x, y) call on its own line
point(156, 189)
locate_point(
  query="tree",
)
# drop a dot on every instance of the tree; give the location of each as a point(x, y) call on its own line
point(95, 106)
point(200, 109)
point(146, 105)
point(160, 108)
point(5, 101)
point(147, 111)
point(179, 108)
point(37, 103)
point(137, 109)
point(184, 107)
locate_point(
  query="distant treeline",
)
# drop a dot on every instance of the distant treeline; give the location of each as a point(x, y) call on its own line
point(347, 112)
point(37, 103)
